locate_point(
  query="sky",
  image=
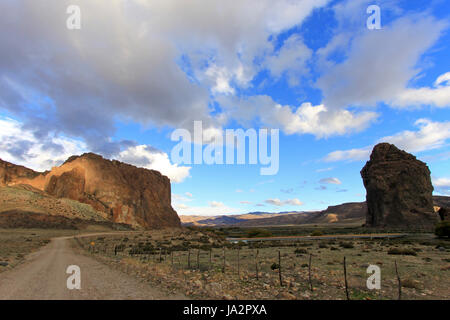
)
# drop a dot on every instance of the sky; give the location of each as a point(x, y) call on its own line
point(131, 73)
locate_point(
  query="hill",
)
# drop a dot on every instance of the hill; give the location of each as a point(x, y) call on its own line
point(346, 213)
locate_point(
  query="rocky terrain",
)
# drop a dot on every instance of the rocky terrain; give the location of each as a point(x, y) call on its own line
point(116, 191)
point(398, 189)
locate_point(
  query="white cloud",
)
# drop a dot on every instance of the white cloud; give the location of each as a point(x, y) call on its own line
point(441, 182)
point(291, 60)
point(379, 65)
point(307, 118)
point(280, 203)
point(20, 146)
point(442, 185)
point(330, 180)
point(150, 158)
point(431, 135)
point(439, 96)
point(350, 155)
point(216, 204)
point(188, 194)
point(245, 202)
point(149, 51)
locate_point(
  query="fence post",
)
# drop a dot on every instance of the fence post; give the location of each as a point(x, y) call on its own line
point(309, 272)
point(239, 262)
point(256, 264)
point(189, 258)
point(223, 266)
point(399, 282)
point(198, 259)
point(210, 261)
point(160, 257)
point(279, 268)
point(345, 280)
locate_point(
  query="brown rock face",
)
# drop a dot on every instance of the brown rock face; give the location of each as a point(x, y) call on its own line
point(131, 195)
point(444, 213)
point(10, 172)
point(399, 190)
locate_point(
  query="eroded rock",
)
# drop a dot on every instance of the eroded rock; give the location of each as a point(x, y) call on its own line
point(399, 190)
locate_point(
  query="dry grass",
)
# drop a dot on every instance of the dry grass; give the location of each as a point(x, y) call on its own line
point(426, 275)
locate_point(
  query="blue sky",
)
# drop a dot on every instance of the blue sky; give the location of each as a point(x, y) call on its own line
point(137, 70)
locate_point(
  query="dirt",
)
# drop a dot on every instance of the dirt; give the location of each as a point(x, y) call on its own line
point(43, 276)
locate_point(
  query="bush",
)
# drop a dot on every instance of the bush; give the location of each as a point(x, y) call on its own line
point(259, 233)
point(317, 233)
point(346, 245)
point(300, 251)
point(443, 229)
point(406, 252)
point(275, 266)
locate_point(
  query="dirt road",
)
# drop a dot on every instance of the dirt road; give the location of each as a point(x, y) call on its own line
point(43, 276)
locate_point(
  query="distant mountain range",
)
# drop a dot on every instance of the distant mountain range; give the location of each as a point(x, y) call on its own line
point(346, 213)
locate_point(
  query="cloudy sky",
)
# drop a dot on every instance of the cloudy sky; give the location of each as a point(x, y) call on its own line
point(137, 70)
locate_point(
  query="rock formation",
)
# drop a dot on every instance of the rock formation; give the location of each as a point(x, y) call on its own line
point(444, 213)
point(399, 190)
point(9, 173)
point(130, 195)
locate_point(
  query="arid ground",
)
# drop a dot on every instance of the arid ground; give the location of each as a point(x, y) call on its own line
point(189, 263)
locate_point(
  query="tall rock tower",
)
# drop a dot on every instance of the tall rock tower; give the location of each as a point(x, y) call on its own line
point(398, 190)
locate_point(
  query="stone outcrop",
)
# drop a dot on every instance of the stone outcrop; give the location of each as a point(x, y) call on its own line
point(127, 194)
point(444, 213)
point(399, 190)
point(9, 173)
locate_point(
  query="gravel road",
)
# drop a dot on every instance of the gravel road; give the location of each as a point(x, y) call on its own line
point(43, 276)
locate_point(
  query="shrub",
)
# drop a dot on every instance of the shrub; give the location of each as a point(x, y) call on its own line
point(443, 229)
point(275, 266)
point(300, 251)
point(398, 251)
point(323, 246)
point(317, 233)
point(258, 233)
point(346, 245)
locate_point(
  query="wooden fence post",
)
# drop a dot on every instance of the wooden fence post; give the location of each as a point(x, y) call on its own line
point(239, 263)
point(223, 266)
point(256, 264)
point(345, 280)
point(189, 258)
point(399, 282)
point(309, 272)
point(160, 257)
point(198, 259)
point(210, 258)
point(279, 268)
point(171, 257)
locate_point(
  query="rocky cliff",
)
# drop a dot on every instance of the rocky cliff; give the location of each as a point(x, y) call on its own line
point(399, 189)
point(127, 194)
